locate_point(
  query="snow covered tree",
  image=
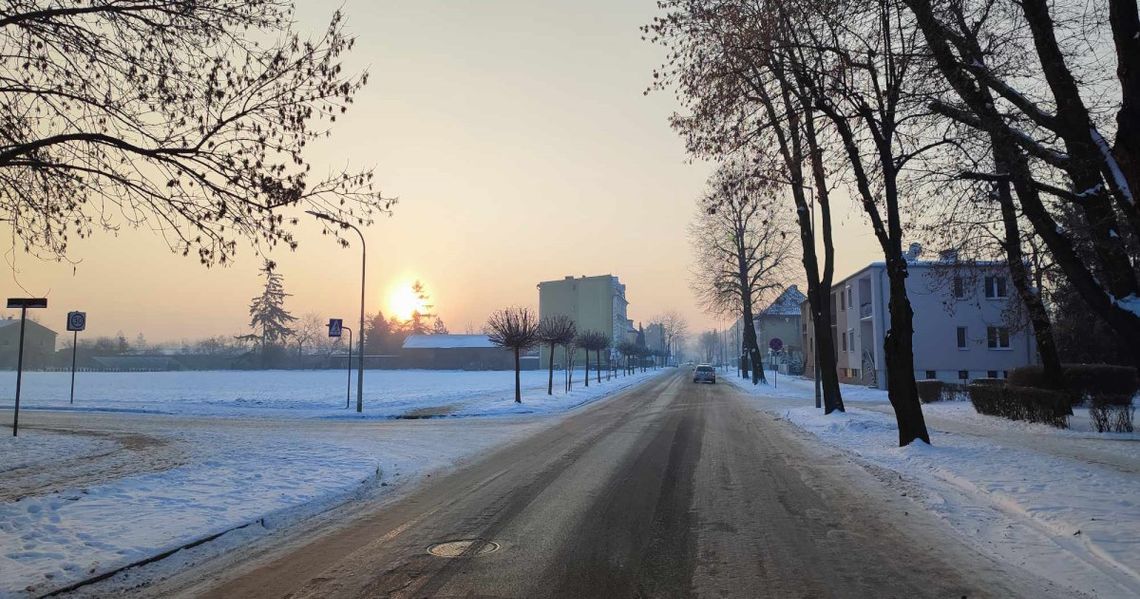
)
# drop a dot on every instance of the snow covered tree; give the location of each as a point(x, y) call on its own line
point(267, 315)
point(515, 329)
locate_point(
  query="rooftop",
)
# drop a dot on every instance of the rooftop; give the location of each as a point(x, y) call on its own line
point(788, 304)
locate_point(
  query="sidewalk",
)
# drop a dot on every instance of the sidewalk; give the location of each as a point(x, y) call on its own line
point(1064, 505)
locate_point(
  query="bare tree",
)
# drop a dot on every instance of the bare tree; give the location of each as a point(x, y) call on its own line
point(709, 341)
point(310, 328)
point(593, 341)
point(674, 327)
point(743, 253)
point(515, 329)
point(728, 62)
point(187, 117)
point(554, 331)
point(1041, 127)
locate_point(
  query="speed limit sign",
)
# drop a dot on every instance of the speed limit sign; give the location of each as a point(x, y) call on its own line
point(76, 321)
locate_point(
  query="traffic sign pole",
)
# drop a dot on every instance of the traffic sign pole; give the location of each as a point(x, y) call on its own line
point(74, 344)
point(76, 321)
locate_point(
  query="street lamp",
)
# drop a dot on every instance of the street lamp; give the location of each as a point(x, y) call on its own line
point(360, 331)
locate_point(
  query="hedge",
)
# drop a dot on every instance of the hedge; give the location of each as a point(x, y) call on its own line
point(1021, 403)
point(929, 390)
point(1101, 383)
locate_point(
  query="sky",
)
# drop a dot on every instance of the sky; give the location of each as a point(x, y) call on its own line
point(519, 142)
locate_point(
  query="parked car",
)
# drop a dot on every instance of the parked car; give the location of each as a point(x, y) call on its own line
point(704, 374)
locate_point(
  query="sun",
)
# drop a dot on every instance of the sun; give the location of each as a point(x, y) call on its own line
point(403, 303)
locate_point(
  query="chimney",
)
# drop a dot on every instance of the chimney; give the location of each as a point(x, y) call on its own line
point(914, 252)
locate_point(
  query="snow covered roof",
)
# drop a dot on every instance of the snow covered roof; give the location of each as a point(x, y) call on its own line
point(447, 342)
point(788, 304)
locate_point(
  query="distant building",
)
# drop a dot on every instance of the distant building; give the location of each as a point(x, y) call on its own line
point(459, 352)
point(779, 320)
point(39, 344)
point(962, 327)
point(594, 304)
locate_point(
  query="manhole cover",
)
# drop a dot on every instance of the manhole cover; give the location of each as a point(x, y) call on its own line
point(464, 548)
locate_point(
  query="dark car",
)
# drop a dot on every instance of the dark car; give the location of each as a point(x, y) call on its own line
point(704, 374)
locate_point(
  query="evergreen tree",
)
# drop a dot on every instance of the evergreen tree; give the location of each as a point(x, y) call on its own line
point(267, 315)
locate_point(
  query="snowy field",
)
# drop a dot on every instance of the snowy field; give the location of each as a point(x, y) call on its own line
point(294, 393)
point(1065, 505)
point(155, 461)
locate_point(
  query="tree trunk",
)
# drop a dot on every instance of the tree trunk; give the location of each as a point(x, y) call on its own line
point(899, 349)
point(1019, 273)
point(518, 385)
point(598, 364)
point(587, 377)
point(550, 383)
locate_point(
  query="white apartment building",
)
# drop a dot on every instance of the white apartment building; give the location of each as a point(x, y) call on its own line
point(966, 323)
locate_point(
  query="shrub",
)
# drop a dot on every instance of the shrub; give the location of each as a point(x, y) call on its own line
point(988, 382)
point(1020, 403)
point(954, 392)
point(1098, 382)
point(929, 390)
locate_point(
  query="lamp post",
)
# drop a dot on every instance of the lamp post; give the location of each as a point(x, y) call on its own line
point(360, 331)
point(23, 303)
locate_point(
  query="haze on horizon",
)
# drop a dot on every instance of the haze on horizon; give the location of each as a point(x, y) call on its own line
point(522, 149)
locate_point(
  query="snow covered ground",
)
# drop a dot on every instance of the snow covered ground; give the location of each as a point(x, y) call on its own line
point(1065, 505)
point(87, 492)
point(296, 393)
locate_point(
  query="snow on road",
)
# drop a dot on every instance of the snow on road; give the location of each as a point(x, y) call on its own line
point(1033, 495)
point(226, 452)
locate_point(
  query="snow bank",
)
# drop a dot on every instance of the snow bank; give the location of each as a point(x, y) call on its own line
point(259, 468)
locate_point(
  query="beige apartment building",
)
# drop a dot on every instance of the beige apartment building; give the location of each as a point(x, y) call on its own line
point(594, 303)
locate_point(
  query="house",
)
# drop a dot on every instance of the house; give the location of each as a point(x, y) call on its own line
point(966, 322)
point(596, 303)
point(39, 344)
point(778, 320)
point(781, 320)
point(460, 352)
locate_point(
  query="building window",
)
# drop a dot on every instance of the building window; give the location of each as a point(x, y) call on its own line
point(962, 344)
point(845, 343)
point(854, 373)
point(997, 337)
point(963, 374)
point(851, 340)
point(959, 288)
point(993, 374)
point(995, 287)
point(930, 374)
point(849, 302)
point(842, 305)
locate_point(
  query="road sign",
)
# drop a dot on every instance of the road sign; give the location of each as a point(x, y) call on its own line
point(775, 344)
point(336, 325)
point(27, 302)
point(76, 321)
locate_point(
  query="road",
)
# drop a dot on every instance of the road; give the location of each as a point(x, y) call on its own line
point(669, 490)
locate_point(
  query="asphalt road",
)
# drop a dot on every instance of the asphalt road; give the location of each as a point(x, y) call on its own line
point(668, 490)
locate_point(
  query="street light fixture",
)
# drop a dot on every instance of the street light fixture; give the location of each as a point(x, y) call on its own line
point(360, 331)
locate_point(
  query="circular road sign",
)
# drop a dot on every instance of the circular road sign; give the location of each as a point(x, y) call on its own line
point(76, 321)
point(776, 344)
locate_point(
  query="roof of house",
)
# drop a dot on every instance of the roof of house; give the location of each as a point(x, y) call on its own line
point(788, 304)
point(4, 322)
point(448, 342)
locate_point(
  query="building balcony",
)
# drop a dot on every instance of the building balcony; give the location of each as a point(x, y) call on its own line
point(865, 311)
